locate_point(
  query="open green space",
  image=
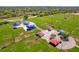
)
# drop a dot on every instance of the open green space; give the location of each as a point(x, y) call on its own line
point(33, 43)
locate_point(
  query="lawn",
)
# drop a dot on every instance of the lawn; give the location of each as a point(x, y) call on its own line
point(31, 44)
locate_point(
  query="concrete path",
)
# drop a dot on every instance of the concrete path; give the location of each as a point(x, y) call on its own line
point(67, 44)
point(64, 45)
point(48, 34)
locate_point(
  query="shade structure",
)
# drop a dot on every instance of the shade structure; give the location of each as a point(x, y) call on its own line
point(54, 42)
point(25, 25)
point(31, 27)
point(40, 34)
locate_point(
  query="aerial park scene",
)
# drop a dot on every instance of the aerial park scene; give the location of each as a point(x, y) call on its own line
point(39, 29)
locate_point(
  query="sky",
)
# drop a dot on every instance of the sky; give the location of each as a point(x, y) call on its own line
point(39, 2)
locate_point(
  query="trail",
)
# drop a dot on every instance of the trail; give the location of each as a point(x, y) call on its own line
point(19, 38)
point(77, 46)
point(63, 46)
point(38, 28)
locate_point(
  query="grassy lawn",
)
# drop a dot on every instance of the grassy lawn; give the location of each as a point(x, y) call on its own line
point(7, 34)
point(70, 24)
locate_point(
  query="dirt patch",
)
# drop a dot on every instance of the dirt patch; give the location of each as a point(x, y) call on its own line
point(17, 39)
point(21, 36)
point(5, 45)
point(77, 41)
point(32, 16)
point(75, 13)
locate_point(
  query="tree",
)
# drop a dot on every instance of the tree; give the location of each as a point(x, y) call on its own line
point(25, 17)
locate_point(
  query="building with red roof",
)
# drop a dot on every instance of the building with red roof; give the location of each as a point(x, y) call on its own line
point(54, 42)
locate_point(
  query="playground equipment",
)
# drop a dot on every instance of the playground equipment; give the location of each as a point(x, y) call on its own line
point(54, 42)
point(54, 39)
point(25, 25)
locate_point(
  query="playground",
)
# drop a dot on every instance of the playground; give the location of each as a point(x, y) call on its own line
point(25, 39)
point(56, 41)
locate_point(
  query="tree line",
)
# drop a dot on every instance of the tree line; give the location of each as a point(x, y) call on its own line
point(7, 12)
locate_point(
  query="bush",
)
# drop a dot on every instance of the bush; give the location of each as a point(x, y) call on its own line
point(25, 17)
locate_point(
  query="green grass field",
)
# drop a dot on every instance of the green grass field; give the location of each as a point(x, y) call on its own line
point(30, 44)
